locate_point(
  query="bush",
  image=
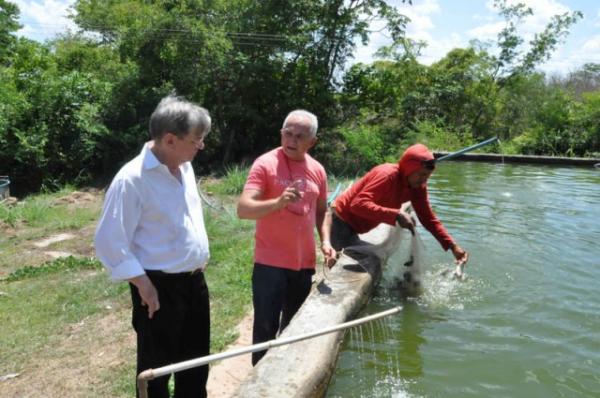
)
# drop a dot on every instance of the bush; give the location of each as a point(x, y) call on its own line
point(50, 138)
point(436, 137)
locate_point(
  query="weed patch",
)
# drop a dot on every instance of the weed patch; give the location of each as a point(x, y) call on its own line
point(64, 264)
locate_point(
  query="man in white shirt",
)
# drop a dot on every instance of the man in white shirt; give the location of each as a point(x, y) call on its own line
point(152, 235)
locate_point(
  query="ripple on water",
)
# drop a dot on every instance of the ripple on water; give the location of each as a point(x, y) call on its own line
point(526, 322)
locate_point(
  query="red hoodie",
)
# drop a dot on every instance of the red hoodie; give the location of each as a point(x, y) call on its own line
point(377, 197)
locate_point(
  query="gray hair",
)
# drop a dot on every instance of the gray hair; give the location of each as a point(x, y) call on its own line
point(178, 116)
point(306, 115)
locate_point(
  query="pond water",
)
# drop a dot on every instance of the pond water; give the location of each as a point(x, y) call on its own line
point(525, 322)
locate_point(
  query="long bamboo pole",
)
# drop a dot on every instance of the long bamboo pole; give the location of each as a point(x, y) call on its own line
point(150, 374)
point(467, 149)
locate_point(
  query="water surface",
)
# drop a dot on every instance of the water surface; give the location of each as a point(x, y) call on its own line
point(526, 322)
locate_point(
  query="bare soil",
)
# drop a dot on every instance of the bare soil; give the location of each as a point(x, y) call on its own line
point(81, 362)
point(78, 365)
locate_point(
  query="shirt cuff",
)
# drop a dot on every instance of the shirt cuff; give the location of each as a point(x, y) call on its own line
point(390, 217)
point(126, 270)
point(449, 245)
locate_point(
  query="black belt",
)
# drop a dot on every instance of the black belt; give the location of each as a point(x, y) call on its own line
point(176, 275)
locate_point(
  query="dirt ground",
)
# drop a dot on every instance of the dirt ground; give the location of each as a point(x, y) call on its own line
point(78, 364)
point(45, 248)
point(225, 377)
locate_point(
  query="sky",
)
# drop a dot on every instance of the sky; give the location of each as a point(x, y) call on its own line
point(443, 24)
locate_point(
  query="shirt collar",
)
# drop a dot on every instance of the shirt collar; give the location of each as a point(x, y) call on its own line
point(149, 159)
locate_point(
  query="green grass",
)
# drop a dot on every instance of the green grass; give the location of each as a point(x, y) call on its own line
point(63, 265)
point(35, 312)
point(41, 303)
point(233, 181)
point(41, 211)
point(228, 274)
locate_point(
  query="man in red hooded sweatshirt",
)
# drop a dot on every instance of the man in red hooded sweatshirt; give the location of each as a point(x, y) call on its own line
point(377, 198)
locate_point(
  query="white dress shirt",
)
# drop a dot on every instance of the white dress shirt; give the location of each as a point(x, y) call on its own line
point(151, 221)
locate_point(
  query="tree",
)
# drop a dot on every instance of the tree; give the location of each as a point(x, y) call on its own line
point(513, 61)
point(249, 62)
point(9, 17)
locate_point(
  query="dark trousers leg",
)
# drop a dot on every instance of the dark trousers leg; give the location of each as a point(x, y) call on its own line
point(277, 293)
point(180, 330)
point(268, 286)
point(195, 343)
point(298, 288)
point(342, 235)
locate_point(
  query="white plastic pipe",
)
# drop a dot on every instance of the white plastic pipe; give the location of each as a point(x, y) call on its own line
point(150, 374)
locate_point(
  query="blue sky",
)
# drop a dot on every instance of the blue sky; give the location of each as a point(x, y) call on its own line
point(443, 24)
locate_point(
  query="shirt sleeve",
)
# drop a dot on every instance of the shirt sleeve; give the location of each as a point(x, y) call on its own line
point(420, 202)
point(115, 230)
point(365, 205)
point(257, 177)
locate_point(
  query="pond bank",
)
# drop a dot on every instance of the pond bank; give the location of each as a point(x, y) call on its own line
point(500, 158)
point(304, 369)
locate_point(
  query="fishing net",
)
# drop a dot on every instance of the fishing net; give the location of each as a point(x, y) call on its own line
point(401, 255)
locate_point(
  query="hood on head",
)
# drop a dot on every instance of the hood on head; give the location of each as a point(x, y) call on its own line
point(412, 159)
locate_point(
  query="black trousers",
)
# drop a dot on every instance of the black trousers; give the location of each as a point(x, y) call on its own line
point(277, 293)
point(178, 331)
point(342, 234)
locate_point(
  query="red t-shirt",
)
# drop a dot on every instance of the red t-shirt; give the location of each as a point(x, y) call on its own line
point(285, 238)
point(377, 198)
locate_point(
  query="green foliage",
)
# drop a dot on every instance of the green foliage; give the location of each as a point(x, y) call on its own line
point(233, 182)
point(470, 95)
point(9, 23)
point(230, 56)
point(587, 124)
point(353, 149)
point(76, 108)
point(436, 137)
point(57, 141)
point(565, 127)
point(51, 120)
point(365, 145)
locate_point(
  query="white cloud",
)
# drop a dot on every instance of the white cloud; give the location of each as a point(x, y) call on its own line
point(592, 46)
point(43, 19)
point(486, 32)
point(419, 27)
point(420, 24)
point(543, 11)
point(484, 24)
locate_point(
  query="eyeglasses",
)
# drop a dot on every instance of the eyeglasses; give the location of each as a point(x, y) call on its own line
point(198, 143)
point(288, 133)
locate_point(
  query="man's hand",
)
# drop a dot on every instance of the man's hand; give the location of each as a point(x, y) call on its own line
point(460, 255)
point(147, 292)
point(289, 195)
point(405, 221)
point(329, 253)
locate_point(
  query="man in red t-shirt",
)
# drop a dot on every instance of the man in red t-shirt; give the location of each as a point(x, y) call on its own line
point(286, 193)
point(377, 198)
